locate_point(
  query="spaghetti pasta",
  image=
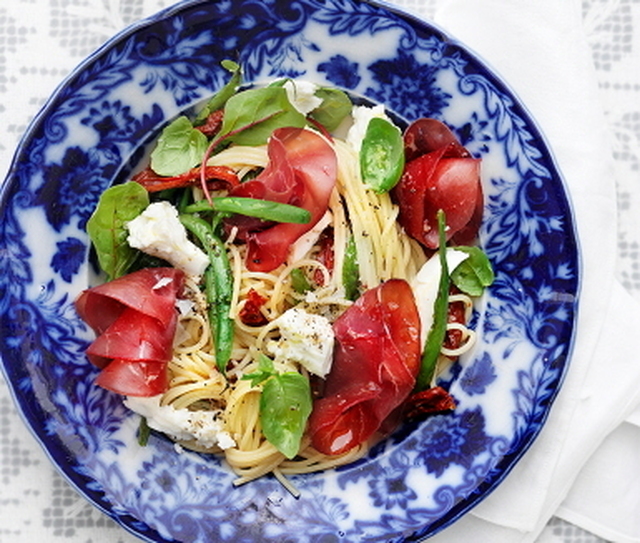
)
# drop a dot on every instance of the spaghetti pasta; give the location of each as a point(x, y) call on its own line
point(384, 251)
point(266, 319)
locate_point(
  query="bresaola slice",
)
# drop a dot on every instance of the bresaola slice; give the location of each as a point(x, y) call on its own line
point(425, 135)
point(439, 174)
point(134, 336)
point(376, 360)
point(151, 291)
point(302, 171)
point(135, 319)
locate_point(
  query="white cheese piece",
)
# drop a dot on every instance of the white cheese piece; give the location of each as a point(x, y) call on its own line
point(425, 287)
point(158, 231)
point(306, 339)
point(302, 96)
point(205, 427)
point(361, 117)
point(184, 306)
point(306, 241)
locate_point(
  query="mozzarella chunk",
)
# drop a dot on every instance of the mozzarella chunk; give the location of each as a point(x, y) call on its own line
point(302, 96)
point(425, 287)
point(158, 231)
point(306, 339)
point(361, 117)
point(205, 427)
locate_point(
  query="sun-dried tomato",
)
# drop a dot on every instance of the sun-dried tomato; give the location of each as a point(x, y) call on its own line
point(250, 313)
point(219, 177)
point(429, 402)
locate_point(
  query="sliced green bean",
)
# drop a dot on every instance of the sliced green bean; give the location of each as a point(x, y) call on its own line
point(253, 207)
point(143, 432)
point(435, 338)
point(299, 281)
point(351, 271)
point(218, 287)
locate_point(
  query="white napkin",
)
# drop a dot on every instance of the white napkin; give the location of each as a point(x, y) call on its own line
point(540, 50)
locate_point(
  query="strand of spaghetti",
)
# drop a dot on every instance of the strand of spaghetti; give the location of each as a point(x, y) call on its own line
point(341, 235)
point(184, 396)
point(253, 465)
point(311, 460)
point(466, 300)
point(236, 269)
point(467, 341)
point(285, 482)
point(197, 328)
point(195, 365)
point(348, 184)
point(240, 156)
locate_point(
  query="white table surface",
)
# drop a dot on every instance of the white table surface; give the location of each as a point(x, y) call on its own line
point(41, 41)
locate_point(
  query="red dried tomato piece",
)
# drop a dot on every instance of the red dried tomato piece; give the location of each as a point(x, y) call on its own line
point(250, 313)
point(219, 177)
point(429, 402)
point(212, 124)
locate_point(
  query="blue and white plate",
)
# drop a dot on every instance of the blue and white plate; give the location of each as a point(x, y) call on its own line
point(92, 132)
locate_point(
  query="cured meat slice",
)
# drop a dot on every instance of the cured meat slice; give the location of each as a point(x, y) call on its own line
point(302, 171)
point(135, 320)
point(440, 174)
point(376, 361)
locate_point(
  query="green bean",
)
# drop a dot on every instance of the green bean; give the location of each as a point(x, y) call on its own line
point(351, 271)
point(218, 287)
point(253, 207)
point(438, 330)
point(299, 281)
point(143, 432)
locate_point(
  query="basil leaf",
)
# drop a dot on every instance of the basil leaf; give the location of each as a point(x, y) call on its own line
point(473, 274)
point(335, 106)
point(265, 370)
point(299, 281)
point(107, 226)
point(219, 99)
point(381, 155)
point(179, 148)
point(285, 406)
point(279, 82)
point(251, 116)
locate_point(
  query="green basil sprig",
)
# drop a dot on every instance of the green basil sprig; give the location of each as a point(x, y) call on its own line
point(473, 274)
point(251, 116)
point(219, 99)
point(335, 106)
point(179, 148)
point(107, 226)
point(285, 406)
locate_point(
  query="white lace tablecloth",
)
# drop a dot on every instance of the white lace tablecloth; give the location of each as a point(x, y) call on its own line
point(41, 41)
